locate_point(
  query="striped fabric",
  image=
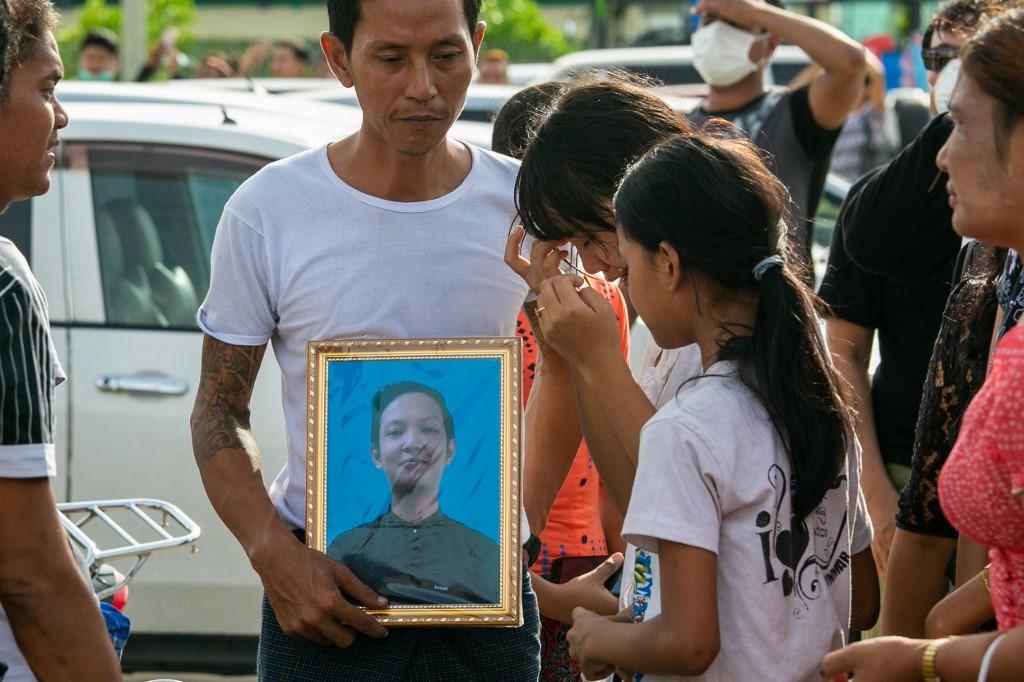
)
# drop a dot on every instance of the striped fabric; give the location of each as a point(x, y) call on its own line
point(417, 654)
point(27, 365)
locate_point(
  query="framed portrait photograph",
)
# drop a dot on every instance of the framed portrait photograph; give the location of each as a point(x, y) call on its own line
point(414, 477)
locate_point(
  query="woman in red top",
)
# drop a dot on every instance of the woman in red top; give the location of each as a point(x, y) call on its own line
point(981, 487)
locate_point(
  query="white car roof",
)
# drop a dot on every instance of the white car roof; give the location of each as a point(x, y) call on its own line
point(478, 94)
point(256, 85)
point(530, 72)
point(240, 130)
point(246, 131)
point(666, 54)
point(170, 92)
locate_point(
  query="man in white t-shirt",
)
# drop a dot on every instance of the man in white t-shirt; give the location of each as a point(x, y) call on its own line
point(394, 232)
point(50, 626)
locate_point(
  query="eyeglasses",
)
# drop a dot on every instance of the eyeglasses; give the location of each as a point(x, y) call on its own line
point(935, 58)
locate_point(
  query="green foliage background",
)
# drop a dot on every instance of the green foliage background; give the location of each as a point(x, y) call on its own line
point(516, 26)
point(162, 15)
point(519, 28)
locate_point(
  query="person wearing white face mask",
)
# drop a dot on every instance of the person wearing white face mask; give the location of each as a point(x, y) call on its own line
point(796, 129)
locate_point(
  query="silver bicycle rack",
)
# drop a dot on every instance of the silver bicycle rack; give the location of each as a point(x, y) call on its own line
point(175, 529)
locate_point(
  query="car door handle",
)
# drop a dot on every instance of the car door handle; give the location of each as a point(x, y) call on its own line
point(126, 383)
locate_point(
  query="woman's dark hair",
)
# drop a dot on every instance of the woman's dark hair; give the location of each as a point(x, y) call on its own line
point(343, 15)
point(581, 146)
point(993, 60)
point(515, 123)
point(958, 14)
point(23, 25)
point(392, 392)
point(717, 204)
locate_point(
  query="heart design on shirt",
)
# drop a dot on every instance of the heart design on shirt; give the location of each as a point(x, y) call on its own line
point(789, 548)
point(790, 545)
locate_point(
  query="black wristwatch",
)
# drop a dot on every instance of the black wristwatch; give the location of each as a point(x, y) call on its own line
point(532, 548)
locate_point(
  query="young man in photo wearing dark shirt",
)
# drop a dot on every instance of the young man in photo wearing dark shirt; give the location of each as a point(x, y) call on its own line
point(795, 128)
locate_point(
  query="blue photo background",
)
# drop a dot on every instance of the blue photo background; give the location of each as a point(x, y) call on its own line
point(471, 485)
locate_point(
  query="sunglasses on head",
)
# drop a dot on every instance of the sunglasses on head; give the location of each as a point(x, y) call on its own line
point(935, 58)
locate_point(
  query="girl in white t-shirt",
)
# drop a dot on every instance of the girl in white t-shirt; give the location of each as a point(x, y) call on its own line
point(746, 488)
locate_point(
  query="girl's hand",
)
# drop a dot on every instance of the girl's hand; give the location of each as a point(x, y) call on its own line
point(584, 623)
point(544, 262)
point(588, 590)
point(888, 659)
point(579, 324)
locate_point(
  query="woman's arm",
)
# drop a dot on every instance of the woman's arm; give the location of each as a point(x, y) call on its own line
point(613, 409)
point(851, 348)
point(916, 581)
point(682, 640)
point(897, 659)
point(864, 602)
point(962, 611)
point(581, 326)
point(551, 436)
point(611, 521)
point(970, 559)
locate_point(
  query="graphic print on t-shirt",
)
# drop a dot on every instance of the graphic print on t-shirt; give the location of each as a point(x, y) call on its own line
point(643, 584)
point(783, 548)
point(643, 581)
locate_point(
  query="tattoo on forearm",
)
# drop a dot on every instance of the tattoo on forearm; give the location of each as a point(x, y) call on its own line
point(220, 418)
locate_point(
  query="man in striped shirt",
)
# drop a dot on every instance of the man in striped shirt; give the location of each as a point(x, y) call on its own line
point(50, 625)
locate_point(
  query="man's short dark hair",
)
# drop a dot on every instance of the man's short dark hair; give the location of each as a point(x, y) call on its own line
point(392, 392)
point(298, 49)
point(103, 38)
point(343, 15)
point(23, 27)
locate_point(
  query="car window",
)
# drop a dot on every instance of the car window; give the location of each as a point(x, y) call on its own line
point(825, 219)
point(479, 115)
point(784, 72)
point(156, 210)
point(16, 225)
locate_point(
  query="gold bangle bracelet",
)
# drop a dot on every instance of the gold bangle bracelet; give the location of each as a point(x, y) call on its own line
point(928, 661)
point(984, 578)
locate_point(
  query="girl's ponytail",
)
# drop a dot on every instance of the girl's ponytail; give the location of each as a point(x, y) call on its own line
point(787, 364)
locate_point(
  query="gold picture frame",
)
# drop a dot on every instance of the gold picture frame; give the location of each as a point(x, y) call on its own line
point(359, 438)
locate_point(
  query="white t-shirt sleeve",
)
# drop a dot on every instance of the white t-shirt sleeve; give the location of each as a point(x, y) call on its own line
point(238, 309)
point(677, 492)
point(862, 530)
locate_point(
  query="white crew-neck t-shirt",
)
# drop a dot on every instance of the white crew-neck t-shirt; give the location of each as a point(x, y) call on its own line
point(300, 255)
point(714, 473)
